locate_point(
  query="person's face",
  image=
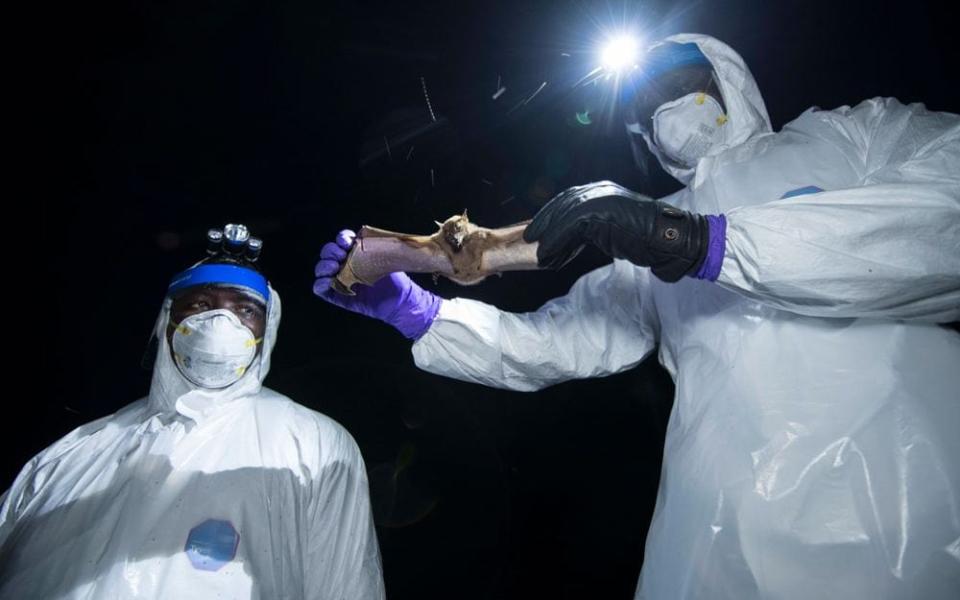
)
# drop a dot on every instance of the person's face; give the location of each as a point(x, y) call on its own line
point(669, 86)
point(251, 312)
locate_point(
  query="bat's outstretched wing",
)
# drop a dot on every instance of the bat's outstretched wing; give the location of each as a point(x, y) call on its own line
point(378, 252)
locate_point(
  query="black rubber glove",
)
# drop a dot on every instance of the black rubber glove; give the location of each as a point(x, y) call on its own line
point(623, 224)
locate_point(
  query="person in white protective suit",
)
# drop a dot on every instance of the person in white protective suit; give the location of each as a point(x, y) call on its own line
point(213, 486)
point(796, 289)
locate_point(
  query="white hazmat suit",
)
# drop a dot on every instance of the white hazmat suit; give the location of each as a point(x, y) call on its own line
point(813, 450)
point(195, 493)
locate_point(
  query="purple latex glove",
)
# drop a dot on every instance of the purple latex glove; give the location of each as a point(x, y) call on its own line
point(394, 299)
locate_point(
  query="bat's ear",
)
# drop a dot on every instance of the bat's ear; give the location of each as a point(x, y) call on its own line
point(439, 224)
point(464, 213)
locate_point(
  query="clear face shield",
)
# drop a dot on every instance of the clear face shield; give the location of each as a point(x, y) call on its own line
point(227, 278)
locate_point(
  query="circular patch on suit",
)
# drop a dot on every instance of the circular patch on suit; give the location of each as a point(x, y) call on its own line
point(212, 544)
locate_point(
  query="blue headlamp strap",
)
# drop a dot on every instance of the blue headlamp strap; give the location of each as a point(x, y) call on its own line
point(672, 55)
point(660, 59)
point(220, 274)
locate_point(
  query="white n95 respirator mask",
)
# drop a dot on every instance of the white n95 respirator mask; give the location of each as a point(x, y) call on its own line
point(213, 349)
point(687, 128)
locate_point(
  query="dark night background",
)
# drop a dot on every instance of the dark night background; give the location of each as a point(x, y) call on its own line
point(161, 119)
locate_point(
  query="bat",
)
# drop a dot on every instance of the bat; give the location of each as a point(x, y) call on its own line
point(460, 250)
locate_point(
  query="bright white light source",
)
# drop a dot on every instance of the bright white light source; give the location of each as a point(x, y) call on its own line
point(620, 53)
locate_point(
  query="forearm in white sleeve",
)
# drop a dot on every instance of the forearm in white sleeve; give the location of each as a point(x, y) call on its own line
point(888, 249)
point(605, 324)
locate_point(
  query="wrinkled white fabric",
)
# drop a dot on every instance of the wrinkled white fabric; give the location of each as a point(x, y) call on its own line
point(812, 450)
point(195, 493)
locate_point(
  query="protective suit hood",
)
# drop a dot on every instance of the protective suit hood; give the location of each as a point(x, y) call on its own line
point(246, 495)
point(170, 391)
point(745, 109)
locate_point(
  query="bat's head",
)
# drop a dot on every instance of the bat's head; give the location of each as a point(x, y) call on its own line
point(455, 230)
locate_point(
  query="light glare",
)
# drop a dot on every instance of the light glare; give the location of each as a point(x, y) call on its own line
point(620, 53)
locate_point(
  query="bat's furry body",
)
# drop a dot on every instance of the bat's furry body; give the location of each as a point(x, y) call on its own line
point(459, 250)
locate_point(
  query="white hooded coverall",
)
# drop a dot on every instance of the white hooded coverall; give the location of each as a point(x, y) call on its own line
point(237, 493)
point(813, 450)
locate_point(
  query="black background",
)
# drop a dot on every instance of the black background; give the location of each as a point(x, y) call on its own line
point(157, 120)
